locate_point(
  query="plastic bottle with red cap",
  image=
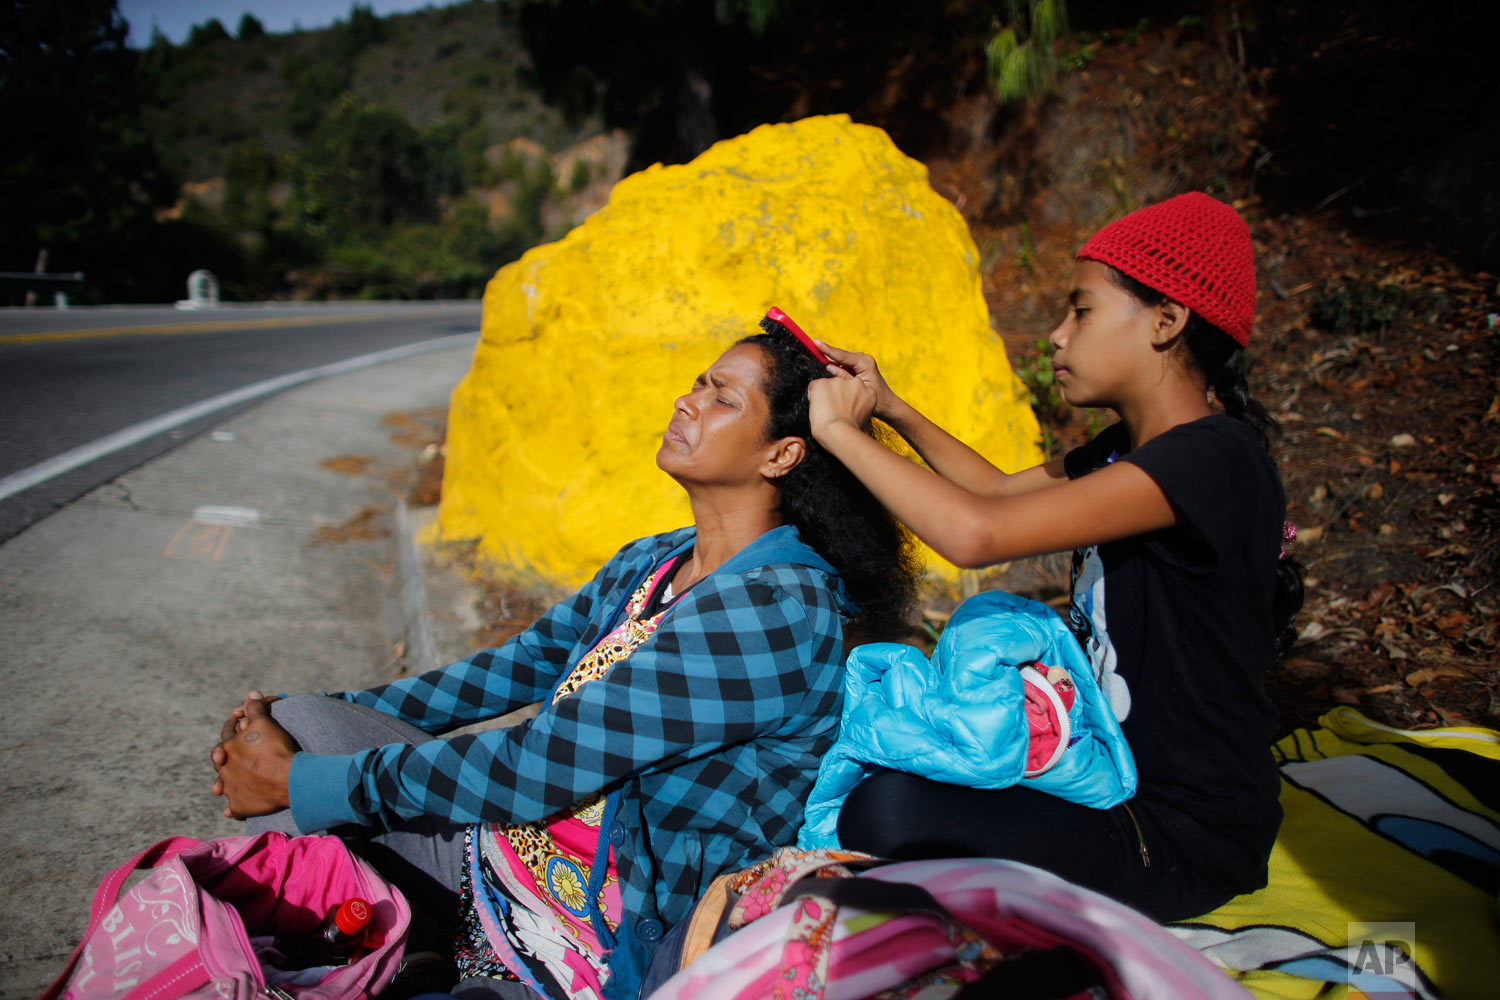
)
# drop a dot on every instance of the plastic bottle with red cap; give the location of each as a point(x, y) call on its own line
point(340, 937)
point(342, 931)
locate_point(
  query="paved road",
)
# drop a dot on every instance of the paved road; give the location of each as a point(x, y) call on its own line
point(71, 378)
point(133, 618)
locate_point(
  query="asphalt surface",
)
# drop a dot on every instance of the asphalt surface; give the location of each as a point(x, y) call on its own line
point(135, 617)
point(69, 378)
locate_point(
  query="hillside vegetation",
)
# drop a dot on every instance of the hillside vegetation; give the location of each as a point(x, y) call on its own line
point(397, 157)
point(391, 157)
point(453, 69)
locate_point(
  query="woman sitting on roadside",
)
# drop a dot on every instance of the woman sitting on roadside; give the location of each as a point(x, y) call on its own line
point(690, 690)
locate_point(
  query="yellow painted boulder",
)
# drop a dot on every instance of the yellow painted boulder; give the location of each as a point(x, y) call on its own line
point(587, 341)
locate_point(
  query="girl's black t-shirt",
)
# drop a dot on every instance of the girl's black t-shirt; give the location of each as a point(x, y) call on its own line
point(1187, 612)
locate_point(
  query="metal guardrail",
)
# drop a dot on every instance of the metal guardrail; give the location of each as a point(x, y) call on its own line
point(34, 282)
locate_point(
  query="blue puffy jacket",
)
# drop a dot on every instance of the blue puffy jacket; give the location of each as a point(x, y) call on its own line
point(960, 717)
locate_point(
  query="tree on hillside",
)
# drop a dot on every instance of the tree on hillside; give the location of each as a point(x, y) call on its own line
point(81, 178)
point(366, 169)
point(663, 68)
point(680, 74)
point(363, 29)
point(248, 173)
point(250, 28)
point(320, 76)
point(208, 32)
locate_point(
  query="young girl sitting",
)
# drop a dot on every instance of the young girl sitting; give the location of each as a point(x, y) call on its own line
point(1181, 594)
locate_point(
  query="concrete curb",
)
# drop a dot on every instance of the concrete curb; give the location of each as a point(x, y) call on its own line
point(411, 593)
point(437, 598)
point(438, 605)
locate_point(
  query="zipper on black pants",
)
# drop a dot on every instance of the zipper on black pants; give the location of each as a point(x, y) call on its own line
point(1140, 838)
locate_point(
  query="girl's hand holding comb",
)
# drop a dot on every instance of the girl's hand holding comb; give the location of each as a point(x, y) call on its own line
point(864, 368)
point(842, 398)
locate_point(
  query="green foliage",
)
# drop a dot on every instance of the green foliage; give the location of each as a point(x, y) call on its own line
point(322, 80)
point(532, 189)
point(1094, 421)
point(248, 174)
point(580, 177)
point(254, 61)
point(250, 28)
point(463, 103)
point(225, 127)
point(466, 233)
point(1047, 401)
point(756, 15)
point(1358, 307)
point(1026, 249)
point(1021, 57)
point(474, 169)
point(207, 33)
point(512, 164)
point(80, 176)
point(663, 68)
point(1078, 56)
point(363, 204)
point(154, 266)
point(350, 38)
point(321, 76)
point(1040, 380)
point(445, 158)
point(1045, 394)
point(453, 258)
point(1130, 35)
point(168, 69)
point(366, 168)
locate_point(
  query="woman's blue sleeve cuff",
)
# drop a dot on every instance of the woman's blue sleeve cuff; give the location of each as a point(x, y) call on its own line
point(319, 789)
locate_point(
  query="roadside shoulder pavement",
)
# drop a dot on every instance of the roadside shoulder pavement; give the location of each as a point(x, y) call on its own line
point(134, 619)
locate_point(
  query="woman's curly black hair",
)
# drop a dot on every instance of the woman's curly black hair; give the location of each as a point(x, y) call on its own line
point(1223, 362)
point(831, 509)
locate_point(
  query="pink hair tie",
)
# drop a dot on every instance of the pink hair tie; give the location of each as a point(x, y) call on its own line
point(1288, 535)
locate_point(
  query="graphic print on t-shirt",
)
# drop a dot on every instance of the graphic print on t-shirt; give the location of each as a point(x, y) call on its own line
point(1086, 621)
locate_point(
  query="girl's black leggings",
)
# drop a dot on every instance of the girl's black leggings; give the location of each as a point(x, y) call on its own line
point(1126, 853)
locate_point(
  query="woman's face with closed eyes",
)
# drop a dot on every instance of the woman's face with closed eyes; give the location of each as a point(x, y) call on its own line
point(717, 434)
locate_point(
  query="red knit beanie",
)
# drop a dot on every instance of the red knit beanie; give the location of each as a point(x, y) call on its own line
point(1191, 248)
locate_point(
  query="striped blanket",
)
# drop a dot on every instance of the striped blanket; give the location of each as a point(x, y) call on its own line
point(1384, 877)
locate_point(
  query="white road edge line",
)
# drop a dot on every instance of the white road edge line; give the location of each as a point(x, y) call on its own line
point(136, 433)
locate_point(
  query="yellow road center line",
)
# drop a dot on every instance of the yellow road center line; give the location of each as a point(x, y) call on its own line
point(223, 324)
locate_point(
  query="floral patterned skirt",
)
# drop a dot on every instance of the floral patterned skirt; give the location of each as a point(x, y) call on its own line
point(541, 872)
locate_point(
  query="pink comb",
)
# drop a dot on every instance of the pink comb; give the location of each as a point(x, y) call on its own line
point(777, 317)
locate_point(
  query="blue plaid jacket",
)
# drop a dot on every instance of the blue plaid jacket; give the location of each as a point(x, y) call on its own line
point(712, 730)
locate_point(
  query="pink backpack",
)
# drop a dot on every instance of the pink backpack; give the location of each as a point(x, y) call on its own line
point(836, 925)
point(185, 929)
